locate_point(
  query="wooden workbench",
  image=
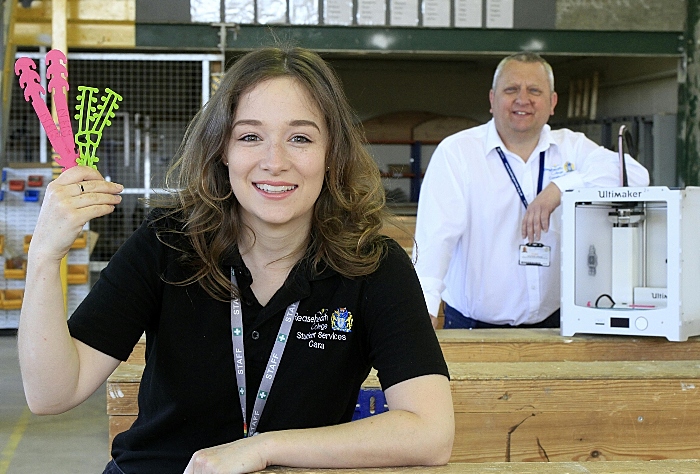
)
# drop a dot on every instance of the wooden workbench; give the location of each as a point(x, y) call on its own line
point(612, 467)
point(531, 395)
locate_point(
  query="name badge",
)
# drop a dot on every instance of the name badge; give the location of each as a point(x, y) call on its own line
point(534, 254)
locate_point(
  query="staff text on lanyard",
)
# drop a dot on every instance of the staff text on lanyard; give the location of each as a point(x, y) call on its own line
point(272, 363)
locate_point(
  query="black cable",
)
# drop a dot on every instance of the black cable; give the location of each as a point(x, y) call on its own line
point(605, 296)
point(630, 144)
point(624, 136)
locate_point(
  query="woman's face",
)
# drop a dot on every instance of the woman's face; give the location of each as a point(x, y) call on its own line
point(276, 155)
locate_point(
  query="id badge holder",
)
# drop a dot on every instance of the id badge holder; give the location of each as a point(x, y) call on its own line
point(534, 254)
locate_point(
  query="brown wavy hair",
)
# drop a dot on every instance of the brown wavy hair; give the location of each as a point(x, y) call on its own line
point(348, 213)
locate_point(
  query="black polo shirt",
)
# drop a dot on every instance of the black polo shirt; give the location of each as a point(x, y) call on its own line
point(188, 397)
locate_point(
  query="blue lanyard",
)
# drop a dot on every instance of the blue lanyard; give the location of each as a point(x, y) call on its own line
point(515, 180)
point(272, 363)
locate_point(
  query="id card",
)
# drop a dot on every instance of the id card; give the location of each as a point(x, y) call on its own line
point(534, 254)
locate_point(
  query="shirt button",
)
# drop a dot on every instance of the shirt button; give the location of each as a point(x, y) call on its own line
point(255, 335)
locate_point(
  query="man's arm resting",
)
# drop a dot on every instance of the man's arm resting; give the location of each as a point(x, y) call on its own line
point(538, 212)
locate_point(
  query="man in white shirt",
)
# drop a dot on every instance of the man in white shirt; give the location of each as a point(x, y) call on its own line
point(489, 205)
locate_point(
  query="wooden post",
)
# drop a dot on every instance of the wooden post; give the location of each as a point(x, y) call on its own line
point(688, 143)
point(593, 111)
point(59, 40)
point(8, 69)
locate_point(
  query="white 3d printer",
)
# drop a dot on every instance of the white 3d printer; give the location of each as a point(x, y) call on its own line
point(631, 262)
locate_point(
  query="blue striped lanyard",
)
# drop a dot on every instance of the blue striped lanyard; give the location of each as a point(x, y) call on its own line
point(272, 363)
point(515, 180)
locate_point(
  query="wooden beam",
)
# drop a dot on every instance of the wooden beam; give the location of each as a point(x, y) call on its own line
point(688, 143)
point(639, 467)
point(82, 10)
point(88, 24)
point(546, 345)
point(542, 411)
point(538, 345)
point(8, 73)
point(59, 41)
point(546, 436)
point(79, 35)
point(59, 25)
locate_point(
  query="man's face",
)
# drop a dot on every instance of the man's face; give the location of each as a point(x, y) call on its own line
point(522, 101)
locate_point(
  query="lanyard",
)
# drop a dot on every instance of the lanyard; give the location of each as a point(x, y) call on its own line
point(272, 363)
point(515, 180)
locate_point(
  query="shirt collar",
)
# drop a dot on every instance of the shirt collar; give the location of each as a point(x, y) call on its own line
point(298, 280)
point(493, 139)
point(546, 139)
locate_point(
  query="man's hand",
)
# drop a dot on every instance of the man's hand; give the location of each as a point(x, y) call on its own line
point(434, 321)
point(536, 218)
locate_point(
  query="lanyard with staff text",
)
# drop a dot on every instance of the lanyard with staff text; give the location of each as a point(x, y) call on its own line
point(272, 363)
point(515, 180)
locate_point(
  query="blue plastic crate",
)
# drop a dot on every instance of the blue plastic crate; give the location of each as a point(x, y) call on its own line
point(31, 196)
point(370, 402)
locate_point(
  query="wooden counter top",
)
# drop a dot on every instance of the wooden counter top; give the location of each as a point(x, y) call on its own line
point(532, 395)
point(691, 466)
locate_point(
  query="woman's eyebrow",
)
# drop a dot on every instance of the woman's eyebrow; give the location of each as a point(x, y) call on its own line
point(301, 123)
point(293, 123)
point(247, 122)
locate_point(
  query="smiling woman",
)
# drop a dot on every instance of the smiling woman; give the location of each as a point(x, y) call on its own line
point(351, 184)
point(270, 250)
point(277, 159)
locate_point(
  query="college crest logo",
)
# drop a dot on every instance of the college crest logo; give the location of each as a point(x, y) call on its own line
point(341, 320)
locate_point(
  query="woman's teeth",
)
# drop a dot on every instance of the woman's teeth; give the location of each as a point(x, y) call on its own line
point(268, 188)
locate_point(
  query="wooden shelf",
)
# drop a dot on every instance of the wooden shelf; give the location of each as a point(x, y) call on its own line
point(11, 299)
point(15, 269)
point(80, 242)
point(77, 274)
point(25, 243)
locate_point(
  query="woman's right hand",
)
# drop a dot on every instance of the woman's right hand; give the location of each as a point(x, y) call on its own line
point(59, 372)
point(76, 196)
point(239, 457)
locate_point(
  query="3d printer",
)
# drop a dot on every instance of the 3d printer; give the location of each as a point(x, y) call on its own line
point(631, 262)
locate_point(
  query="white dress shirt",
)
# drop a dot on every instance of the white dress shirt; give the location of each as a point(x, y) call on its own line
point(468, 227)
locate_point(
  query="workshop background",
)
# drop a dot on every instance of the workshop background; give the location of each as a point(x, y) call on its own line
point(415, 71)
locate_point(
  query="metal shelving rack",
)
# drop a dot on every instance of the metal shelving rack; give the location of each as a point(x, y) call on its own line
point(19, 211)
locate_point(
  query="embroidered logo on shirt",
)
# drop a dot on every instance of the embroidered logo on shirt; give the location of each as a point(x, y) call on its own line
point(321, 329)
point(559, 171)
point(341, 320)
